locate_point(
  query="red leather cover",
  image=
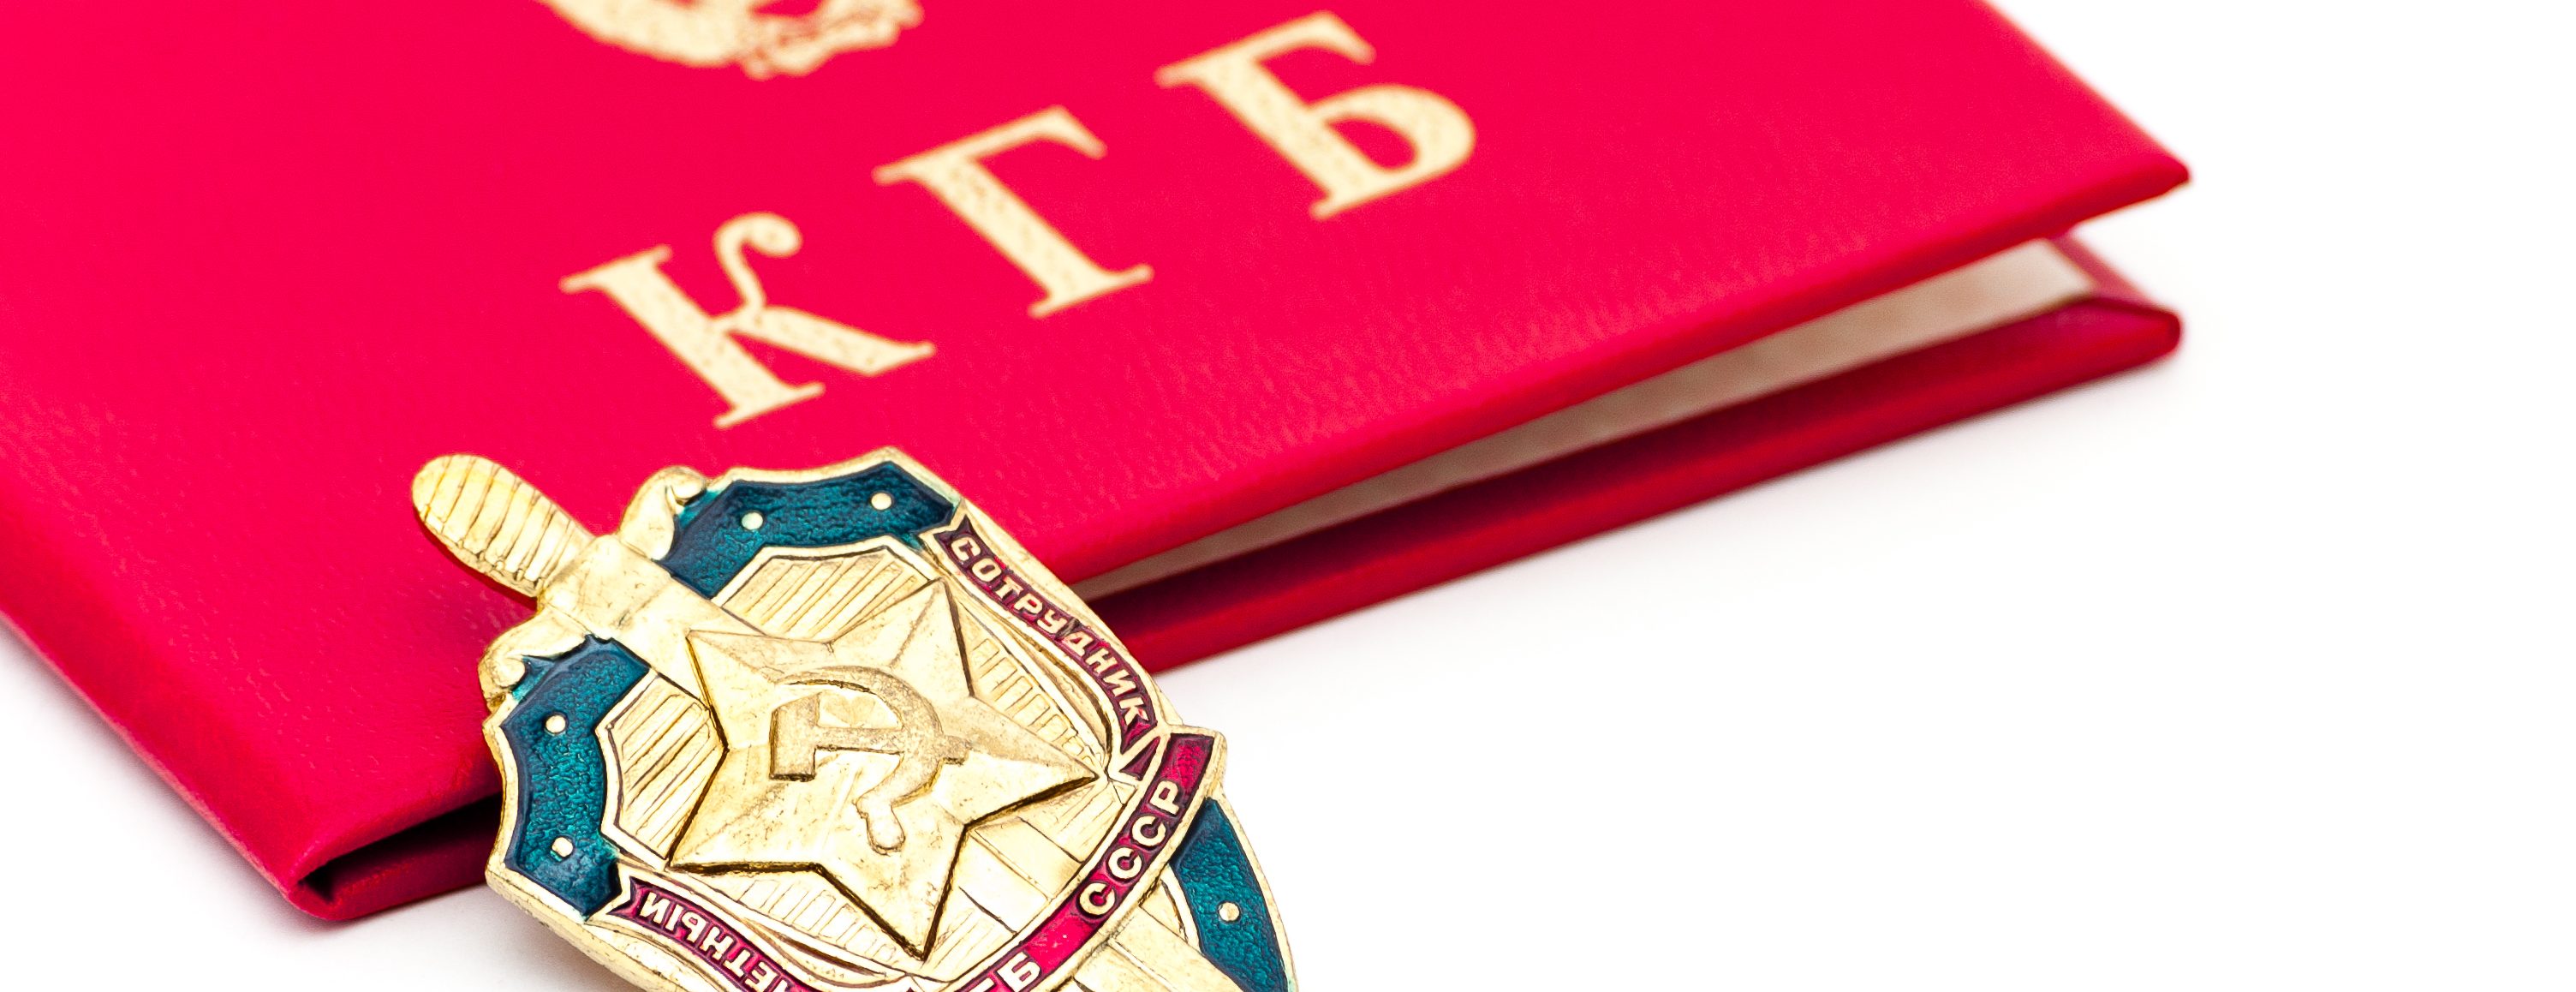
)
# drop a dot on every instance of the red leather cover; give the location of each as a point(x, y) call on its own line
point(261, 262)
point(1432, 540)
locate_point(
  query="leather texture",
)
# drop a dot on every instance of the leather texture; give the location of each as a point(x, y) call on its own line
point(263, 262)
point(1232, 603)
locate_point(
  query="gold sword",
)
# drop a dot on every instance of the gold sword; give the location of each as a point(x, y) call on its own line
point(607, 585)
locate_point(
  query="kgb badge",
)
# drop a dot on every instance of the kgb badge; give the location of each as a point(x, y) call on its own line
point(834, 730)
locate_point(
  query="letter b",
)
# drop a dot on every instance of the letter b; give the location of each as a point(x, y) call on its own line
point(1439, 132)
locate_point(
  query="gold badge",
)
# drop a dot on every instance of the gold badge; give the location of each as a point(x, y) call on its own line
point(835, 730)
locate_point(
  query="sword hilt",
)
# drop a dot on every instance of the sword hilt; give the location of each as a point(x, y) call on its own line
point(494, 521)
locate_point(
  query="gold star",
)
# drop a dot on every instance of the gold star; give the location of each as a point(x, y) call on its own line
point(865, 759)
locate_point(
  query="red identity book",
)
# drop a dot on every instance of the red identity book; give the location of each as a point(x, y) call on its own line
point(1240, 314)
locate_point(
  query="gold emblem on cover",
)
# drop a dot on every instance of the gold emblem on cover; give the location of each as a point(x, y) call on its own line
point(714, 33)
point(835, 730)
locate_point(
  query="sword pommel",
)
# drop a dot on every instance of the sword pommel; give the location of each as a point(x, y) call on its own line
point(495, 522)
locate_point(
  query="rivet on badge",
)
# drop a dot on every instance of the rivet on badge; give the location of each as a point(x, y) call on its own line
point(835, 730)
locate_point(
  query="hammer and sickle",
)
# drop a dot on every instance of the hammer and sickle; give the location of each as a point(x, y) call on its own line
point(798, 738)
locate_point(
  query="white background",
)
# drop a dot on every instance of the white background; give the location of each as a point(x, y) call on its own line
point(2248, 671)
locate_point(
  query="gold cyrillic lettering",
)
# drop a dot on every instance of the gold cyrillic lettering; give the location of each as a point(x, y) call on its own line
point(1439, 132)
point(1125, 864)
point(955, 173)
point(656, 908)
point(704, 342)
point(1097, 899)
point(1021, 972)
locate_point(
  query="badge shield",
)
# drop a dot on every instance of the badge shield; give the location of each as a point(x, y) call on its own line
point(835, 730)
